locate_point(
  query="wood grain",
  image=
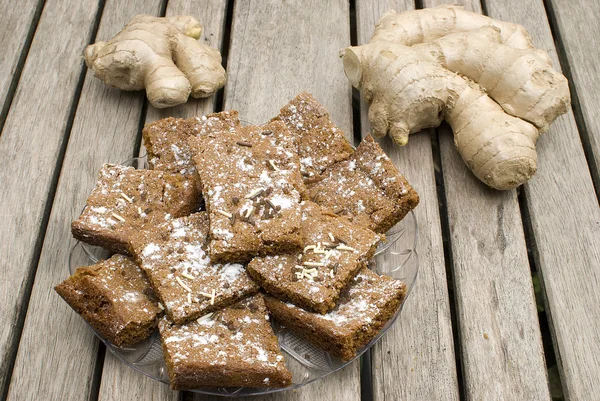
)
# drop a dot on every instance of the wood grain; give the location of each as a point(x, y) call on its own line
point(137, 386)
point(580, 48)
point(415, 360)
point(104, 130)
point(500, 340)
point(277, 50)
point(565, 216)
point(30, 147)
point(124, 383)
point(16, 26)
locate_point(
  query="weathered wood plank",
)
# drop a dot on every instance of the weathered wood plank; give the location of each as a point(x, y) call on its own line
point(500, 340)
point(30, 146)
point(566, 229)
point(124, 383)
point(16, 27)
point(415, 359)
point(104, 130)
point(137, 386)
point(580, 48)
point(277, 50)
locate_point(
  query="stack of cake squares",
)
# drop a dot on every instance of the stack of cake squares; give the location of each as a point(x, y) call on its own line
point(233, 225)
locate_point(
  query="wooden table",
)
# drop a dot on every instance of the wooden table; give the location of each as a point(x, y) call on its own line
point(470, 329)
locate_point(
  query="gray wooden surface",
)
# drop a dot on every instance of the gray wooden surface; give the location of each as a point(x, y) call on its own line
point(104, 129)
point(30, 149)
point(576, 23)
point(18, 25)
point(59, 124)
point(501, 349)
point(278, 50)
point(565, 222)
point(415, 360)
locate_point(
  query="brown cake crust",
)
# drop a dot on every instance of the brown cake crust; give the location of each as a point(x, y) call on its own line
point(125, 200)
point(320, 142)
point(174, 256)
point(115, 298)
point(334, 251)
point(364, 308)
point(366, 188)
point(233, 347)
point(166, 140)
point(252, 187)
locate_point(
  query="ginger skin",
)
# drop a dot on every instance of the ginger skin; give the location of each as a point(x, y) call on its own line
point(523, 82)
point(161, 55)
point(418, 26)
point(503, 99)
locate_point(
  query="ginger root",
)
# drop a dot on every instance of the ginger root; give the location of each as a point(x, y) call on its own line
point(161, 55)
point(418, 26)
point(480, 75)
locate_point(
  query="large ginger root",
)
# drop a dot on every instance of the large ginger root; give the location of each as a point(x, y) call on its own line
point(418, 26)
point(523, 82)
point(413, 87)
point(161, 55)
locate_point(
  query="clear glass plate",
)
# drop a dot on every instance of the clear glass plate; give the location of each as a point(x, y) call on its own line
point(396, 257)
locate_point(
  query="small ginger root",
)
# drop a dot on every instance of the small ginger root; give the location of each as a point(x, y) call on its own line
point(162, 55)
point(482, 76)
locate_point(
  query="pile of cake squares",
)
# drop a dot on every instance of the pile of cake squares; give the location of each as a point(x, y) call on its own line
point(234, 225)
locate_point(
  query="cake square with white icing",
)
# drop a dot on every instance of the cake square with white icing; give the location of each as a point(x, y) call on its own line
point(320, 142)
point(366, 188)
point(166, 140)
point(334, 250)
point(252, 186)
point(235, 346)
point(364, 307)
point(175, 257)
point(126, 200)
point(115, 298)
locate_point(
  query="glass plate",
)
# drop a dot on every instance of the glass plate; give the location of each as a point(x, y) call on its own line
point(396, 257)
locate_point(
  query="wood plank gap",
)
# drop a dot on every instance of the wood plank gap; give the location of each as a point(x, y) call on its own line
point(225, 44)
point(366, 378)
point(584, 132)
point(548, 343)
point(137, 148)
point(97, 375)
point(37, 249)
point(448, 259)
point(484, 9)
point(17, 75)
point(163, 8)
point(356, 123)
point(366, 372)
point(187, 396)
